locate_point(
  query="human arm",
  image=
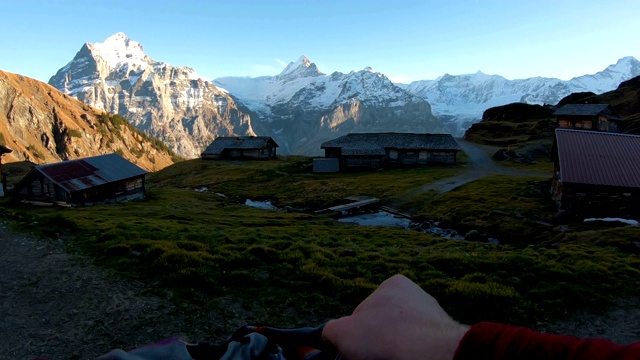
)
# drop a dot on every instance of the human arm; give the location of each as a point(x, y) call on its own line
point(489, 341)
point(401, 321)
point(397, 321)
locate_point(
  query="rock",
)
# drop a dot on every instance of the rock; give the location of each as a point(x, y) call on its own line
point(503, 155)
point(474, 235)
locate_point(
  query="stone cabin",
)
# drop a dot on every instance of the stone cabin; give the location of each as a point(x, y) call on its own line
point(238, 147)
point(3, 176)
point(596, 117)
point(88, 181)
point(377, 150)
point(596, 174)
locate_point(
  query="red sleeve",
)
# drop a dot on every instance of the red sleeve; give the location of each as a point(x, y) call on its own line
point(503, 342)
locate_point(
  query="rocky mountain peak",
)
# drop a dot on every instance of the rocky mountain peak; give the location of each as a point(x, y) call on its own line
point(303, 67)
point(119, 48)
point(164, 101)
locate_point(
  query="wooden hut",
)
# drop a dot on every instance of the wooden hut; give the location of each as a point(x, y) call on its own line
point(98, 179)
point(596, 174)
point(248, 147)
point(376, 150)
point(597, 117)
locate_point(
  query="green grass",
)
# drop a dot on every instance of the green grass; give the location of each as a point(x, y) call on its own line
point(207, 247)
point(505, 207)
point(288, 181)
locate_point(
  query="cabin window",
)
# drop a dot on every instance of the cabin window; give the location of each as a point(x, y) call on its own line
point(588, 124)
point(423, 155)
point(578, 125)
point(393, 154)
point(604, 125)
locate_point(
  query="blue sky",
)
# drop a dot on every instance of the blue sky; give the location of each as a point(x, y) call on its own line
point(406, 40)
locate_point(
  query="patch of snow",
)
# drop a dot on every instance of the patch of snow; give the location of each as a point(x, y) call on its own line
point(118, 48)
point(201, 189)
point(608, 219)
point(265, 205)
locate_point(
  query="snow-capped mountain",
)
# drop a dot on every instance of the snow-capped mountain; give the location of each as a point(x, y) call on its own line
point(460, 100)
point(171, 103)
point(302, 107)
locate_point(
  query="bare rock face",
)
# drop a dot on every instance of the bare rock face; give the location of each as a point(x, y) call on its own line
point(42, 125)
point(170, 103)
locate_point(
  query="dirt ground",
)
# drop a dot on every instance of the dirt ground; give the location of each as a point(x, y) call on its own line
point(58, 305)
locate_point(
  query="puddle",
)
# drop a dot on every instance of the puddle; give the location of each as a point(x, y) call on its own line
point(380, 218)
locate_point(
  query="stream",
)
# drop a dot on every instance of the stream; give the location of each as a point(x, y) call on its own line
point(381, 218)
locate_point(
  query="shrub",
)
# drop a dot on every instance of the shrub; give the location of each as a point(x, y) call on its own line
point(75, 133)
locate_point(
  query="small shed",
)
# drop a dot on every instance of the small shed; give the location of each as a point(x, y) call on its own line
point(249, 147)
point(377, 150)
point(88, 181)
point(3, 176)
point(596, 173)
point(326, 165)
point(597, 117)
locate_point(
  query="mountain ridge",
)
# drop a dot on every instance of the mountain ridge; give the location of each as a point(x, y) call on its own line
point(173, 104)
point(301, 106)
point(329, 105)
point(42, 125)
point(460, 100)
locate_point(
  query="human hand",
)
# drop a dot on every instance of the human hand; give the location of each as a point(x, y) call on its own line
point(397, 321)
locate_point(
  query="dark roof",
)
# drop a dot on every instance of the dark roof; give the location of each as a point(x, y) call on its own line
point(598, 158)
point(376, 143)
point(4, 150)
point(75, 175)
point(237, 143)
point(588, 110)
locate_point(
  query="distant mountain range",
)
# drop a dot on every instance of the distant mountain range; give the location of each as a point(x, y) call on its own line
point(301, 107)
point(460, 100)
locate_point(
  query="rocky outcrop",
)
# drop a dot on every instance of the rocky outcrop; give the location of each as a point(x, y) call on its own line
point(173, 104)
point(42, 125)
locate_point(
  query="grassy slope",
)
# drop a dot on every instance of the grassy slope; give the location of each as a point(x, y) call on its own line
point(302, 268)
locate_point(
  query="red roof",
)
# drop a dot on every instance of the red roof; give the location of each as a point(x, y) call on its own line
point(80, 174)
point(598, 158)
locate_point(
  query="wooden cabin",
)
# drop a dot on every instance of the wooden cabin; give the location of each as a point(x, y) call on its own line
point(377, 150)
point(88, 181)
point(3, 176)
point(596, 174)
point(596, 117)
point(239, 147)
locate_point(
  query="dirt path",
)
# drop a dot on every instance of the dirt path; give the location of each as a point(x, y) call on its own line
point(59, 306)
point(480, 165)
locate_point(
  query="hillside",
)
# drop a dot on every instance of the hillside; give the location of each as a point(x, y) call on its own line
point(527, 128)
point(42, 125)
point(626, 102)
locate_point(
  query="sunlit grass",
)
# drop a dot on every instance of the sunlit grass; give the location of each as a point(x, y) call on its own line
point(204, 245)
